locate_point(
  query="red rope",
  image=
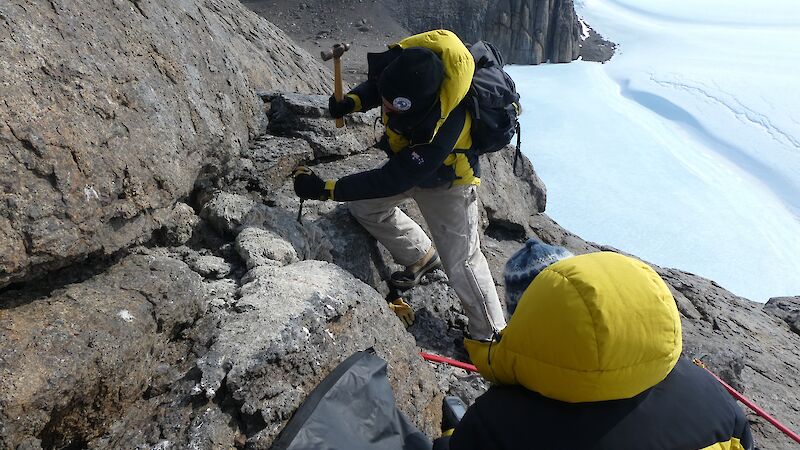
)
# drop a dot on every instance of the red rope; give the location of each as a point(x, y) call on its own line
point(448, 361)
point(747, 402)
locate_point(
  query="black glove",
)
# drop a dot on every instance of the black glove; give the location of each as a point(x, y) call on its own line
point(339, 109)
point(308, 186)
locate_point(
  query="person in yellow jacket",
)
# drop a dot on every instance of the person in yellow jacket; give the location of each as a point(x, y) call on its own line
point(591, 359)
point(419, 84)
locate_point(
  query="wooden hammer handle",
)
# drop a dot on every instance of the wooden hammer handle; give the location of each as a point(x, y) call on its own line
point(337, 86)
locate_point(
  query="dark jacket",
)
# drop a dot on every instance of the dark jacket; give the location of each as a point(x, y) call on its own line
point(591, 359)
point(436, 150)
point(688, 410)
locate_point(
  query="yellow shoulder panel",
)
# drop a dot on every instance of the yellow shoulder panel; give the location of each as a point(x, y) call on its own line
point(733, 444)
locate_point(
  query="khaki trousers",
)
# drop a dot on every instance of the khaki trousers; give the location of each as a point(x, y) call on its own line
point(452, 216)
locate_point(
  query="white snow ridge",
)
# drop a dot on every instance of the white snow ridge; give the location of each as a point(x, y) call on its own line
point(684, 149)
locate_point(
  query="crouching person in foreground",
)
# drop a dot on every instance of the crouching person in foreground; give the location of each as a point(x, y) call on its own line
point(591, 358)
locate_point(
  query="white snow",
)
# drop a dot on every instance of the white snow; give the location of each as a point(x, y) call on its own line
point(125, 315)
point(684, 149)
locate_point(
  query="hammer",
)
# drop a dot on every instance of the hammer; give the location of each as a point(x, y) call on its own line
point(336, 53)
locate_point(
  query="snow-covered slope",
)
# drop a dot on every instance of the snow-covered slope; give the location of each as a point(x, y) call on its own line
point(685, 148)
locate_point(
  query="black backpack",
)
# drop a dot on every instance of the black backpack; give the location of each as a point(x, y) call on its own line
point(493, 101)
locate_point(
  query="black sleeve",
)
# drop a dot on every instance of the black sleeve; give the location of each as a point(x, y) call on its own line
point(743, 428)
point(442, 443)
point(470, 434)
point(405, 170)
point(368, 93)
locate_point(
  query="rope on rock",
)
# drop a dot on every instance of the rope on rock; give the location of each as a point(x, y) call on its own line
point(734, 393)
point(448, 361)
point(749, 403)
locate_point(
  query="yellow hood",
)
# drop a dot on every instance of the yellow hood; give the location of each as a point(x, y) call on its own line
point(595, 327)
point(459, 66)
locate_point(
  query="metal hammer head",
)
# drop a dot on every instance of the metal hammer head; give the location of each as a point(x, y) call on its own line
point(335, 52)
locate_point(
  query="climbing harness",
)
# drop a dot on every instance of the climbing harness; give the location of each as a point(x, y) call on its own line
point(734, 393)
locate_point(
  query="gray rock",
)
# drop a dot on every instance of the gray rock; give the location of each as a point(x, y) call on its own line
point(259, 247)
point(100, 135)
point(308, 241)
point(511, 198)
point(221, 293)
point(209, 266)
point(525, 31)
point(596, 48)
point(272, 160)
point(306, 117)
point(182, 223)
point(74, 360)
point(227, 212)
point(291, 326)
point(786, 309)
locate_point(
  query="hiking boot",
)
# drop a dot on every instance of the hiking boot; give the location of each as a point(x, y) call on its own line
point(408, 278)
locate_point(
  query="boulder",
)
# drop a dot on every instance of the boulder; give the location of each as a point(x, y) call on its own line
point(180, 226)
point(231, 213)
point(103, 128)
point(510, 196)
point(306, 117)
point(268, 162)
point(227, 212)
point(291, 327)
point(259, 247)
point(73, 360)
point(786, 309)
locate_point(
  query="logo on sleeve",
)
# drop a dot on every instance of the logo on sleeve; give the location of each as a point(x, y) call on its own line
point(417, 159)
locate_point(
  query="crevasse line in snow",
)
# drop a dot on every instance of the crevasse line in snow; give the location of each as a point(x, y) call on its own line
point(773, 180)
point(740, 111)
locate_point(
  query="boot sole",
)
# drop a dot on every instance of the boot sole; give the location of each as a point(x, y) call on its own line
point(410, 281)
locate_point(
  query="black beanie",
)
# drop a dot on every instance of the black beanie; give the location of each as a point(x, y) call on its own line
point(411, 82)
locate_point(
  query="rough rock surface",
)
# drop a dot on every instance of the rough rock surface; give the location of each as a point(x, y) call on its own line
point(525, 31)
point(786, 309)
point(259, 247)
point(73, 360)
point(278, 344)
point(198, 340)
point(109, 113)
point(306, 117)
point(511, 196)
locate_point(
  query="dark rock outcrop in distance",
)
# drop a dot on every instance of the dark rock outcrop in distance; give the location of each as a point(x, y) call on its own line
point(525, 31)
point(109, 112)
point(786, 309)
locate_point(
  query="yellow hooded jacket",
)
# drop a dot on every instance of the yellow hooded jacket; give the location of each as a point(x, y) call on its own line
point(597, 329)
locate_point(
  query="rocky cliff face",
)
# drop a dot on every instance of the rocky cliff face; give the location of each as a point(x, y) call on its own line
point(109, 113)
point(220, 311)
point(525, 31)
